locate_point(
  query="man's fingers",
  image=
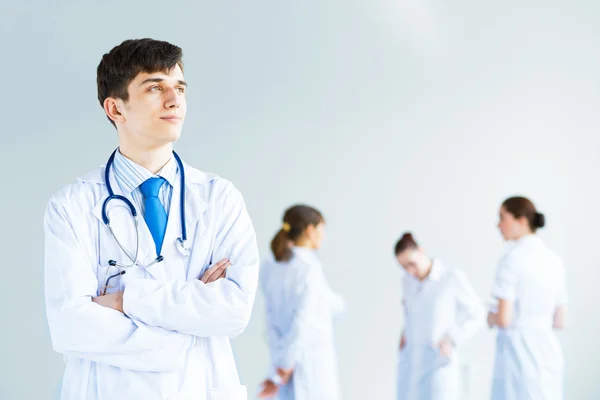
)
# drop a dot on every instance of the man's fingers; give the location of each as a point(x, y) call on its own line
point(218, 274)
point(211, 276)
point(214, 268)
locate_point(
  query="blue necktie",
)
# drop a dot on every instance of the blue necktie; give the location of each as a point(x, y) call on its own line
point(154, 212)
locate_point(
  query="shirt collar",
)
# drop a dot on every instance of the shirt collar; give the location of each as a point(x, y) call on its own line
point(132, 175)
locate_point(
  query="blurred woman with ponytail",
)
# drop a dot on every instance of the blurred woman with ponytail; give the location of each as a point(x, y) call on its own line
point(300, 308)
point(441, 313)
point(530, 294)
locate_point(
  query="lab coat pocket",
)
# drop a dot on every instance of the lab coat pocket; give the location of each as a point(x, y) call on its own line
point(229, 393)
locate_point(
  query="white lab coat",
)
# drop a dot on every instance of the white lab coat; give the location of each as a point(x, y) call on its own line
point(300, 309)
point(529, 362)
point(444, 304)
point(173, 340)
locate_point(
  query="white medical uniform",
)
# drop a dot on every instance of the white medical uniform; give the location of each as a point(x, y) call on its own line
point(300, 313)
point(442, 305)
point(173, 340)
point(529, 362)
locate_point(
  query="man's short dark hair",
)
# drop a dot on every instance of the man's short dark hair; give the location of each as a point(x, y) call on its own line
point(123, 63)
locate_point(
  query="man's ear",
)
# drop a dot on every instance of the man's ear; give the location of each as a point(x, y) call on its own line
point(113, 108)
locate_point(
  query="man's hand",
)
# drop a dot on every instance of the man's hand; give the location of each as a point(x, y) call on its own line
point(269, 389)
point(216, 271)
point(113, 300)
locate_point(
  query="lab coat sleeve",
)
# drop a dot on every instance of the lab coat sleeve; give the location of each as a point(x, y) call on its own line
point(562, 297)
point(470, 316)
point(220, 308)
point(404, 310)
point(338, 304)
point(505, 283)
point(302, 330)
point(81, 328)
point(405, 298)
point(272, 332)
point(273, 340)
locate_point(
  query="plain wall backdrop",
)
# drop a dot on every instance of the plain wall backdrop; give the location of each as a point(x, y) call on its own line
point(387, 115)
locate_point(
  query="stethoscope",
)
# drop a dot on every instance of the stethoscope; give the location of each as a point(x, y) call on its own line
point(181, 243)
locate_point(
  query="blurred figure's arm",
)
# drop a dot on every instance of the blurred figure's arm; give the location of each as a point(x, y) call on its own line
point(470, 315)
point(303, 329)
point(505, 290)
point(560, 313)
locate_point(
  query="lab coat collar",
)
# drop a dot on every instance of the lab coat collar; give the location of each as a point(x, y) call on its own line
point(192, 175)
point(437, 271)
point(304, 253)
point(529, 239)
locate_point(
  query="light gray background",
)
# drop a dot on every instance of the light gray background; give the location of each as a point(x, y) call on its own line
point(387, 115)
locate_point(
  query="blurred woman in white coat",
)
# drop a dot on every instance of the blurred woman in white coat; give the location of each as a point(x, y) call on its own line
point(442, 312)
point(300, 309)
point(531, 297)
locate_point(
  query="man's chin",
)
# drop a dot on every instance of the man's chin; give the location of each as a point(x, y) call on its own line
point(170, 136)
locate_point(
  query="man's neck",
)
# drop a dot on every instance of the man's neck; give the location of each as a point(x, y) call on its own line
point(151, 159)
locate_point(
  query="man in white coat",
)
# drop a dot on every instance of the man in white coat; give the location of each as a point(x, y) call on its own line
point(138, 311)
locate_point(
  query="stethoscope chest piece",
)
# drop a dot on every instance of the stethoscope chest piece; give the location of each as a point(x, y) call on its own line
point(183, 246)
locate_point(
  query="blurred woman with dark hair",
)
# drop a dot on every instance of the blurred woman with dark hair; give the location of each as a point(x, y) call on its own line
point(531, 296)
point(442, 312)
point(300, 308)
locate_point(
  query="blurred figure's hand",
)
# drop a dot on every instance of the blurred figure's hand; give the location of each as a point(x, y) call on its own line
point(491, 319)
point(269, 390)
point(285, 375)
point(402, 342)
point(446, 347)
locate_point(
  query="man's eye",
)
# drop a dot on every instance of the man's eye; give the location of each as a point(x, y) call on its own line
point(181, 90)
point(155, 88)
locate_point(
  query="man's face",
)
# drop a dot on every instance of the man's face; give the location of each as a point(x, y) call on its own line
point(154, 114)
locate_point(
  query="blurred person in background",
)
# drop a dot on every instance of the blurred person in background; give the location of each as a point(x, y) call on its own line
point(442, 312)
point(530, 294)
point(300, 310)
